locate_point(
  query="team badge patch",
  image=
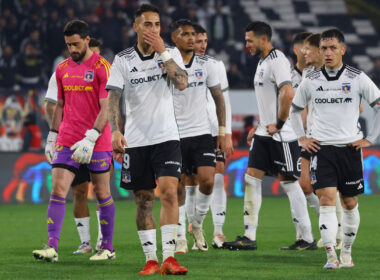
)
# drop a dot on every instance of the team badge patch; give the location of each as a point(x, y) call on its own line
point(161, 65)
point(89, 76)
point(125, 177)
point(346, 88)
point(261, 73)
point(198, 74)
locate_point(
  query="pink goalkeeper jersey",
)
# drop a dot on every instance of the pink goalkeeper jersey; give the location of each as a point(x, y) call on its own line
point(81, 86)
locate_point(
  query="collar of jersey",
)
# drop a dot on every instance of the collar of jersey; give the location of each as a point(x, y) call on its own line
point(324, 72)
point(191, 61)
point(87, 62)
point(272, 50)
point(141, 55)
point(298, 70)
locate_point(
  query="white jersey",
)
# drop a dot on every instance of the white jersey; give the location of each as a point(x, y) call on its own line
point(148, 97)
point(52, 91)
point(309, 118)
point(211, 108)
point(272, 73)
point(190, 104)
point(336, 102)
point(296, 77)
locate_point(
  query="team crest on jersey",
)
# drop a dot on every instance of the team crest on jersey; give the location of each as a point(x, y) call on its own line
point(89, 76)
point(161, 65)
point(261, 73)
point(125, 177)
point(346, 88)
point(198, 74)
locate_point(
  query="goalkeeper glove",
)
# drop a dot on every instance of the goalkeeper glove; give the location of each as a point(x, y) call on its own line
point(51, 142)
point(85, 147)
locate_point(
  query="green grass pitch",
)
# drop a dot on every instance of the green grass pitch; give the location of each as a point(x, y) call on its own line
point(23, 229)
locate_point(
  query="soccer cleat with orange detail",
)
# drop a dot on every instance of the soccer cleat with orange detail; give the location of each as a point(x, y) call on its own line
point(151, 267)
point(171, 267)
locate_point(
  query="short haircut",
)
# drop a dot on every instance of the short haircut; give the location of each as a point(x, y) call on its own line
point(146, 8)
point(180, 23)
point(300, 37)
point(199, 28)
point(94, 43)
point(333, 33)
point(260, 28)
point(314, 39)
point(76, 26)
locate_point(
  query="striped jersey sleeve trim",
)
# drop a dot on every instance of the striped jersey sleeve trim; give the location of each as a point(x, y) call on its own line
point(375, 102)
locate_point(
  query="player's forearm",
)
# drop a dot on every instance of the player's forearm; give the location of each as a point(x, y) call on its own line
point(177, 75)
point(228, 111)
point(286, 98)
point(49, 109)
point(304, 116)
point(217, 95)
point(296, 121)
point(57, 116)
point(113, 111)
point(101, 120)
point(375, 129)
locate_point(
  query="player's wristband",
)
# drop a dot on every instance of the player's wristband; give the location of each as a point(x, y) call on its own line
point(279, 124)
point(165, 56)
point(222, 130)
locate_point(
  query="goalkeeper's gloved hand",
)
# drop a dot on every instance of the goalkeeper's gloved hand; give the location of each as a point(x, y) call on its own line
point(51, 142)
point(85, 147)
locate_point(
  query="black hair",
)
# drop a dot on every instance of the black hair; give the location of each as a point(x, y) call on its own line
point(76, 26)
point(199, 28)
point(260, 28)
point(314, 39)
point(180, 23)
point(94, 43)
point(300, 37)
point(146, 8)
point(333, 33)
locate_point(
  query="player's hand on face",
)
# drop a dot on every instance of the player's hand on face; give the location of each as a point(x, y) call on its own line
point(310, 144)
point(362, 143)
point(251, 133)
point(221, 144)
point(271, 128)
point(155, 40)
point(229, 145)
point(118, 142)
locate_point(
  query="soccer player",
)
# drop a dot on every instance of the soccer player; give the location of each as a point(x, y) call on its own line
point(84, 137)
point(274, 149)
point(197, 144)
point(336, 140)
point(145, 75)
point(80, 183)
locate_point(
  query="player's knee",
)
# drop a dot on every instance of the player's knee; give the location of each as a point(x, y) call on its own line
point(168, 197)
point(59, 189)
point(144, 200)
point(207, 184)
point(306, 186)
point(349, 203)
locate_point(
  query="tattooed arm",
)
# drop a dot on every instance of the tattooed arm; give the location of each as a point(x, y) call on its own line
point(217, 95)
point(113, 113)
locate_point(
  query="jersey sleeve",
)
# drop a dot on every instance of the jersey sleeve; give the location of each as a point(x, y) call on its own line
point(223, 76)
point(302, 96)
point(103, 75)
point(225, 89)
point(368, 90)
point(281, 71)
point(116, 78)
point(212, 74)
point(177, 57)
point(52, 91)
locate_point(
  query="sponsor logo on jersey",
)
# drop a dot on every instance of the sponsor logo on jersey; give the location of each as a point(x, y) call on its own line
point(89, 76)
point(66, 75)
point(194, 84)
point(332, 100)
point(319, 89)
point(198, 74)
point(147, 79)
point(77, 88)
point(134, 69)
point(346, 88)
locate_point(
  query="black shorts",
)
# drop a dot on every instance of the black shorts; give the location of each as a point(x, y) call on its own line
point(81, 176)
point(340, 167)
point(219, 157)
point(142, 165)
point(305, 154)
point(197, 151)
point(275, 157)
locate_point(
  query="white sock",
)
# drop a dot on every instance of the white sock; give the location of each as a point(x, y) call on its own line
point(169, 237)
point(298, 204)
point(339, 215)
point(313, 201)
point(218, 204)
point(296, 225)
point(202, 204)
point(100, 236)
point(252, 205)
point(190, 202)
point(328, 226)
point(148, 243)
point(83, 227)
point(181, 233)
point(351, 221)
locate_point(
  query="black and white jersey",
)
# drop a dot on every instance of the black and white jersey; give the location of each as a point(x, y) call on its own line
point(296, 77)
point(52, 91)
point(190, 104)
point(336, 102)
point(272, 73)
point(309, 118)
point(148, 97)
point(211, 108)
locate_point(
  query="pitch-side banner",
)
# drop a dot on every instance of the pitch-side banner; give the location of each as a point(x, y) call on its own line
point(27, 177)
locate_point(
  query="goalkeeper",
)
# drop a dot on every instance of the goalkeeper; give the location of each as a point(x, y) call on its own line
point(84, 137)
